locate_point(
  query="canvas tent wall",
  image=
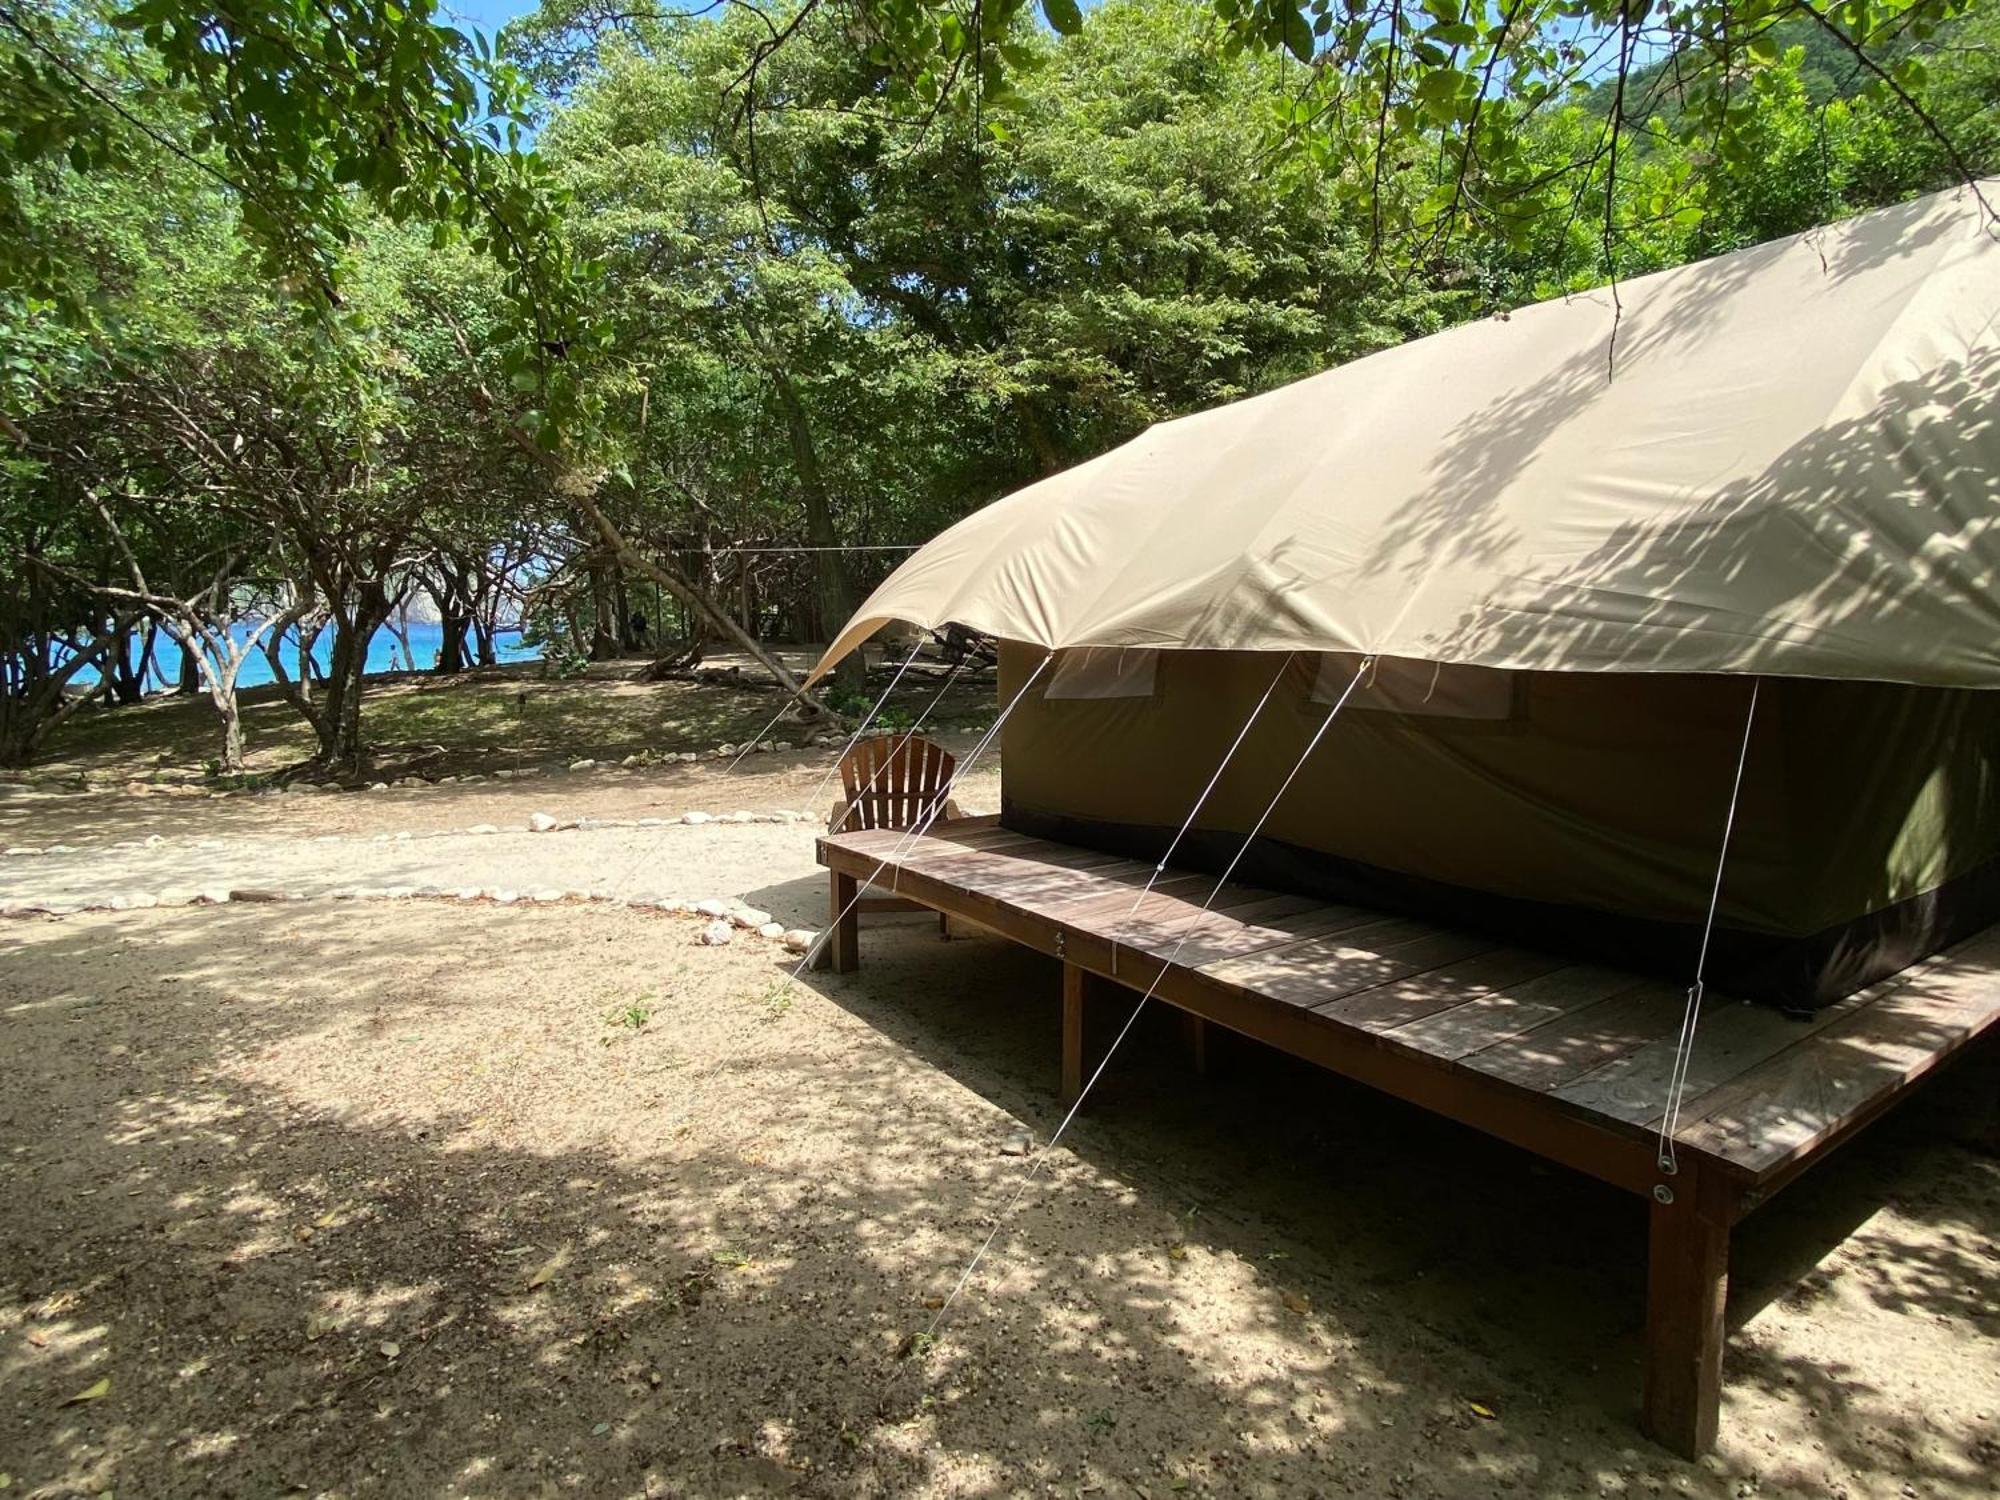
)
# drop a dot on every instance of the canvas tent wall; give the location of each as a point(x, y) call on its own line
point(1789, 470)
point(1575, 812)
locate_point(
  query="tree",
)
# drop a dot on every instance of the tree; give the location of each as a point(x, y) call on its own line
point(1425, 116)
point(312, 116)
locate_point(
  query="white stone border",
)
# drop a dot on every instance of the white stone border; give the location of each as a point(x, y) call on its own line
point(723, 918)
point(538, 822)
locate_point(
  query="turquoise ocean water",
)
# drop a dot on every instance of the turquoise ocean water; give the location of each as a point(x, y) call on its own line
point(385, 654)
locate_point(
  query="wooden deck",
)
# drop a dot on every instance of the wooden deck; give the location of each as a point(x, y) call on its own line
point(1571, 1061)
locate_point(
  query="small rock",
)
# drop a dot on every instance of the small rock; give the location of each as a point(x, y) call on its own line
point(1017, 1143)
point(712, 908)
point(715, 935)
point(740, 816)
point(378, 786)
point(771, 930)
point(542, 822)
point(694, 818)
point(725, 749)
point(761, 748)
point(482, 828)
point(632, 760)
point(583, 765)
point(253, 894)
point(548, 893)
point(749, 917)
point(503, 895)
point(799, 939)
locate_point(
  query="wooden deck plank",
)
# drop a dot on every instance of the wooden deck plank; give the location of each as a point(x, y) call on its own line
point(1243, 931)
point(1414, 997)
point(1314, 973)
point(1549, 1056)
point(1489, 1020)
point(1842, 1075)
point(1731, 1037)
point(1243, 920)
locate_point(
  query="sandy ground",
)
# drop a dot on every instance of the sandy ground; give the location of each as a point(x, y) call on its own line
point(396, 1198)
point(91, 846)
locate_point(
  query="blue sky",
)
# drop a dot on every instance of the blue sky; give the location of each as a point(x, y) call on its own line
point(486, 15)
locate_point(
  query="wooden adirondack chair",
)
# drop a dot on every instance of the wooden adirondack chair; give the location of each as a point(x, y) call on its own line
point(893, 781)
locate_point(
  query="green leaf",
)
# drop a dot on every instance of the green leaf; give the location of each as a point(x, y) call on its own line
point(1298, 36)
point(1063, 15)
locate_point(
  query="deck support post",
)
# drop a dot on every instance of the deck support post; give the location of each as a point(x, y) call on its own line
point(1194, 1037)
point(843, 947)
point(1687, 1282)
point(1076, 982)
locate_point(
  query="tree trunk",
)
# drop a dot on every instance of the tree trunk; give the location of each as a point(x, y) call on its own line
point(151, 637)
point(33, 706)
point(835, 589)
point(339, 720)
point(127, 674)
point(451, 649)
point(603, 629)
point(232, 732)
point(190, 683)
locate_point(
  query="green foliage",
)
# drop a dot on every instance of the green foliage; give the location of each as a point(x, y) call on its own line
point(849, 702)
point(832, 276)
point(563, 656)
point(1428, 117)
point(314, 117)
point(632, 1015)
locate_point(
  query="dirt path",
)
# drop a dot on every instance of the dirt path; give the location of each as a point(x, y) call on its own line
point(621, 838)
point(411, 1200)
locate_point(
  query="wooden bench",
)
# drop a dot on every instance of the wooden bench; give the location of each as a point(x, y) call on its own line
point(1571, 1061)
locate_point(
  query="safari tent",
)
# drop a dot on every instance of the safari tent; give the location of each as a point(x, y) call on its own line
point(1567, 542)
point(1397, 717)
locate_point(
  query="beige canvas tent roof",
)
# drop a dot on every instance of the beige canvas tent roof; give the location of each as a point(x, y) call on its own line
point(1787, 463)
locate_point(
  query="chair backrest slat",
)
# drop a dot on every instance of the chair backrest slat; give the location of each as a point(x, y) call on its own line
point(892, 781)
